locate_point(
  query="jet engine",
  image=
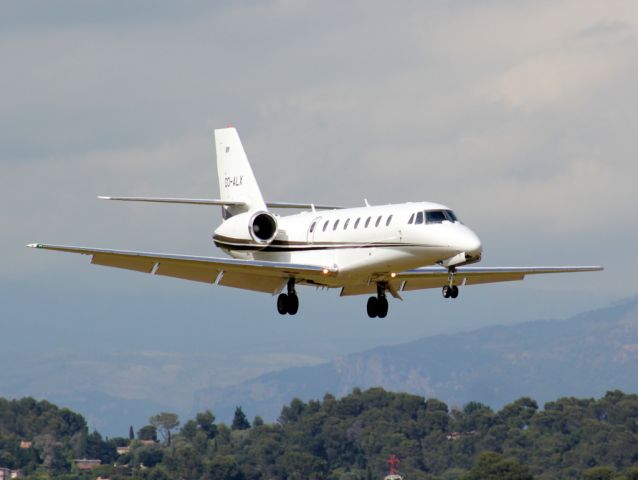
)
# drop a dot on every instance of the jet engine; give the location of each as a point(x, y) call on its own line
point(249, 229)
point(262, 227)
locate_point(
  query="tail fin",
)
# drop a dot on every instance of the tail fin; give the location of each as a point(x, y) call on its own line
point(236, 178)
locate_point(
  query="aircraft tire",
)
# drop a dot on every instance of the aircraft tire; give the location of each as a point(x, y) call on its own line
point(382, 307)
point(372, 307)
point(455, 291)
point(282, 304)
point(447, 291)
point(293, 304)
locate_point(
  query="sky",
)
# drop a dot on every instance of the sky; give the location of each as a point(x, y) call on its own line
point(521, 116)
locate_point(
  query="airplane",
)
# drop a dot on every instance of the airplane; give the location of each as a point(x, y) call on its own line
point(368, 250)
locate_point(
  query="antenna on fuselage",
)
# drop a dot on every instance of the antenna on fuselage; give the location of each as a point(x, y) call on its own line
point(365, 200)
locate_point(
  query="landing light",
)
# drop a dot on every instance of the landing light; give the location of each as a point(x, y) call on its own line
point(326, 271)
point(393, 274)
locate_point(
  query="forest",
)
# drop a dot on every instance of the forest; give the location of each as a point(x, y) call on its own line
point(338, 439)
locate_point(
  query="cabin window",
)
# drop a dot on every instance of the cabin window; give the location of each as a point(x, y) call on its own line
point(325, 225)
point(336, 224)
point(368, 221)
point(378, 221)
point(435, 216)
point(411, 219)
point(419, 218)
point(345, 225)
point(356, 224)
point(387, 222)
point(312, 227)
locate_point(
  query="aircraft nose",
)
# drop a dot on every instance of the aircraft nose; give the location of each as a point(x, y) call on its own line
point(471, 244)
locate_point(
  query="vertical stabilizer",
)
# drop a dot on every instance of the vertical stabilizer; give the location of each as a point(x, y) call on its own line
point(236, 178)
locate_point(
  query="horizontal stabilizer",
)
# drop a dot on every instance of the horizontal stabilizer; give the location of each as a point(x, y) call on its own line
point(191, 201)
point(216, 201)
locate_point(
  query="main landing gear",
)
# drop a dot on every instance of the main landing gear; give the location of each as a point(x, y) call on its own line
point(288, 303)
point(378, 306)
point(450, 290)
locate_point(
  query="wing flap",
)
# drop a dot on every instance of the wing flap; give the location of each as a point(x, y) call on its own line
point(493, 278)
point(127, 262)
point(435, 281)
point(196, 273)
point(361, 289)
point(247, 281)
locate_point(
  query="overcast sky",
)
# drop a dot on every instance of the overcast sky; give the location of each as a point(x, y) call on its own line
point(521, 116)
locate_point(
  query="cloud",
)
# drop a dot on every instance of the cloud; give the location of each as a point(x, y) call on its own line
point(520, 116)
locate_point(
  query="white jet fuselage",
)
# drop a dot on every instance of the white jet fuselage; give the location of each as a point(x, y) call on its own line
point(358, 243)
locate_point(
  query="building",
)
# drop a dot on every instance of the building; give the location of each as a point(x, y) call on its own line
point(86, 463)
point(122, 450)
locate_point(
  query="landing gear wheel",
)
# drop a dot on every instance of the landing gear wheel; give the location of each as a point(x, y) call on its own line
point(373, 307)
point(282, 304)
point(447, 291)
point(382, 307)
point(455, 291)
point(293, 304)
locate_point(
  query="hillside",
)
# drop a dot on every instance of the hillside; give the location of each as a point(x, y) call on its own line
point(582, 356)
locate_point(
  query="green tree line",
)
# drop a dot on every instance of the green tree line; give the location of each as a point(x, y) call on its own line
point(343, 439)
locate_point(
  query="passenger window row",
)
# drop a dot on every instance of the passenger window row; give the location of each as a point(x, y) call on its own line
point(355, 226)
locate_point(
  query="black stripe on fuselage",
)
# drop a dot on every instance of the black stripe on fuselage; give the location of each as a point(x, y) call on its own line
point(282, 246)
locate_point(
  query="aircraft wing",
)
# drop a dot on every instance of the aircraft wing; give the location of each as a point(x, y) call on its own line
point(436, 277)
point(261, 276)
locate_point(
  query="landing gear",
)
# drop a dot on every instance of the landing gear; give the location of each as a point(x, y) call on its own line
point(450, 290)
point(378, 306)
point(288, 303)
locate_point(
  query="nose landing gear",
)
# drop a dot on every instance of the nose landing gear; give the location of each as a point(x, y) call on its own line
point(450, 290)
point(378, 306)
point(288, 303)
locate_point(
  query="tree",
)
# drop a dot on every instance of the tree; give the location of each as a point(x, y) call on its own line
point(96, 447)
point(240, 422)
point(164, 423)
point(149, 456)
point(131, 433)
point(224, 467)
point(148, 432)
point(493, 466)
point(206, 422)
point(599, 473)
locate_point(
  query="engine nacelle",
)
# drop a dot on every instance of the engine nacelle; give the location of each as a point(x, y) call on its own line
point(250, 229)
point(263, 227)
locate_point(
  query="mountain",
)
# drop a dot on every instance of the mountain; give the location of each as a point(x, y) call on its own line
point(582, 356)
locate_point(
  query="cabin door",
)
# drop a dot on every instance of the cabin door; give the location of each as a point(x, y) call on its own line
point(312, 229)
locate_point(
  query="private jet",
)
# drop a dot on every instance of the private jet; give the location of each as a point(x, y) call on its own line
point(369, 250)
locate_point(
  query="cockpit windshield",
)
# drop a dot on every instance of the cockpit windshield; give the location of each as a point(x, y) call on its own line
point(440, 216)
point(433, 216)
